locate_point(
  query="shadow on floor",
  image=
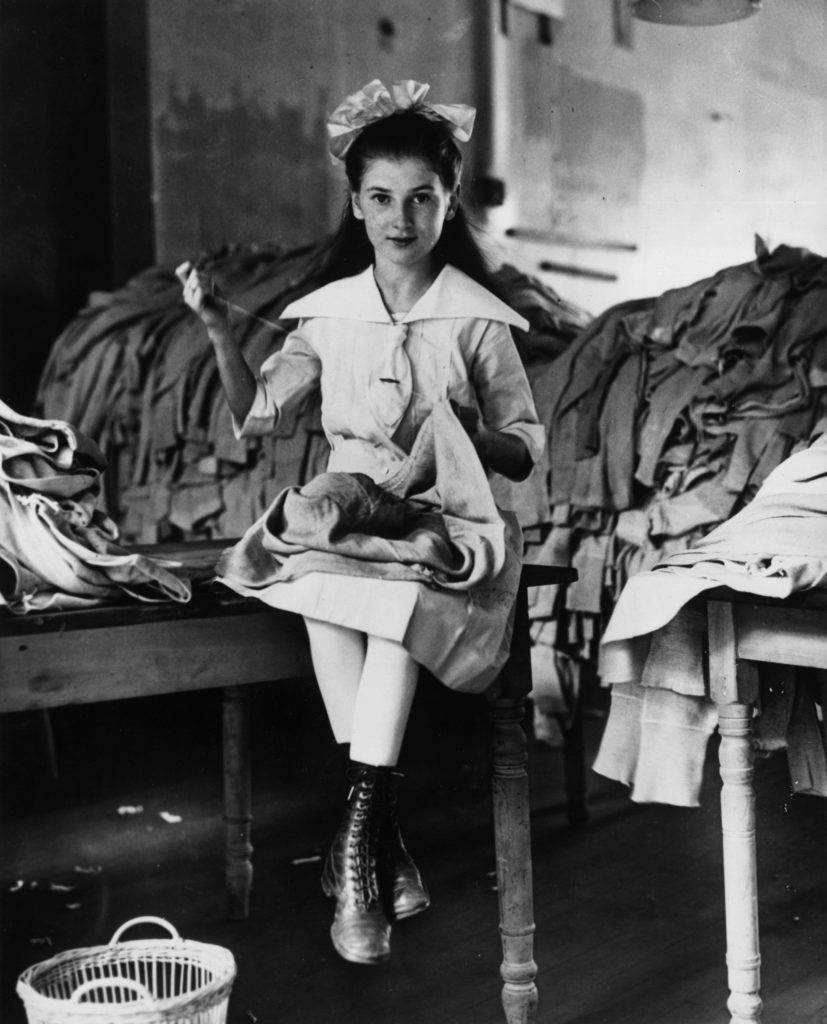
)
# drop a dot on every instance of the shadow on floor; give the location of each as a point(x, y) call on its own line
point(628, 907)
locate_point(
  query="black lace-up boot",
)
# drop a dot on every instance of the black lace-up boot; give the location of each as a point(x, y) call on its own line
point(401, 889)
point(360, 929)
point(407, 892)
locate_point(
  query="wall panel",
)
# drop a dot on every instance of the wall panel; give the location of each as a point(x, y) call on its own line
point(239, 94)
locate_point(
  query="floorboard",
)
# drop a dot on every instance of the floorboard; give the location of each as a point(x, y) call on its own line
point(629, 909)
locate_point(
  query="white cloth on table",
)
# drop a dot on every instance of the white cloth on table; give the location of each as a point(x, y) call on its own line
point(57, 549)
point(653, 643)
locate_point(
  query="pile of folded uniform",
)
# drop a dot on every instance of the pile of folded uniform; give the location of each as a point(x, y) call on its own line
point(666, 415)
point(135, 372)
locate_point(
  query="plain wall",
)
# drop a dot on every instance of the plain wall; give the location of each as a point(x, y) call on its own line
point(685, 145)
point(680, 146)
point(240, 92)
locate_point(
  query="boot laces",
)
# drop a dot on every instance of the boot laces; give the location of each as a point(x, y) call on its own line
point(362, 842)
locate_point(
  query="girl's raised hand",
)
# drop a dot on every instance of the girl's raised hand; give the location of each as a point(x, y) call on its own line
point(202, 297)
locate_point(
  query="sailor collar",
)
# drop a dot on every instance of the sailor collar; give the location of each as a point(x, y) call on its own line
point(453, 294)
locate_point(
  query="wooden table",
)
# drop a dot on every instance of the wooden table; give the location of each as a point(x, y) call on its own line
point(745, 631)
point(221, 640)
point(122, 650)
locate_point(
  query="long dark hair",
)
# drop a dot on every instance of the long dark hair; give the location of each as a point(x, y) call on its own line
point(403, 135)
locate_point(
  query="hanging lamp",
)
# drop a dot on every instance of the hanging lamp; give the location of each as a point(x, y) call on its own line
point(694, 12)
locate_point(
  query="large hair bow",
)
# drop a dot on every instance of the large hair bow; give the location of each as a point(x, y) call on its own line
point(375, 101)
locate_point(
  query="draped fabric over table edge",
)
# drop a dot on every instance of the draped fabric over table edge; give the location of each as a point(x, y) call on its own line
point(652, 652)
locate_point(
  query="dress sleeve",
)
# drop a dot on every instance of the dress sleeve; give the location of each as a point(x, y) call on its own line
point(502, 388)
point(285, 379)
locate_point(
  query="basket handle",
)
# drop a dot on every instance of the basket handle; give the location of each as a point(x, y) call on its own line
point(144, 920)
point(116, 980)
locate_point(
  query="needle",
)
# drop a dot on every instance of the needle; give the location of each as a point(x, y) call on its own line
point(186, 268)
point(246, 312)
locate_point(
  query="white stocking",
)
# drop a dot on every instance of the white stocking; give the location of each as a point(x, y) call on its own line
point(367, 685)
point(383, 702)
point(338, 655)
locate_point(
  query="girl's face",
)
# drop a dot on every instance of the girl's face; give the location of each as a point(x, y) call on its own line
point(404, 206)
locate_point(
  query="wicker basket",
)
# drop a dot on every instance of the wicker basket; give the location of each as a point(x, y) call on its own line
point(143, 981)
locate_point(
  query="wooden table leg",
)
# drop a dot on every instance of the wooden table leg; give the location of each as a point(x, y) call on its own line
point(512, 809)
point(238, 815)
point(734, 688)
point(512, 837)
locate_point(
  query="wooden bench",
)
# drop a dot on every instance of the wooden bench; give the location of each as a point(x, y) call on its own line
point(219, 639)
point(743, 632)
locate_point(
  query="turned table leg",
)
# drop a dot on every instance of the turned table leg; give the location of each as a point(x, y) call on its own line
point(734, 688)
point(740, 873)
point(238, 815)
point(512, 836)
point(512, 809)
point(512, 822)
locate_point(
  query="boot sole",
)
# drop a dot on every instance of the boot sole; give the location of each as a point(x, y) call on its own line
point(346, 954)
point(418, 909)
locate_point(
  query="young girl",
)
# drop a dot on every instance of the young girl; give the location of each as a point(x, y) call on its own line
point(417, 368)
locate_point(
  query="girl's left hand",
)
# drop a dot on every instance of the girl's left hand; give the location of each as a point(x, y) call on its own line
point(503, 453)
point(468, 417)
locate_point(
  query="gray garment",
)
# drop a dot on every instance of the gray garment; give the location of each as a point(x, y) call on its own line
point(429, 521)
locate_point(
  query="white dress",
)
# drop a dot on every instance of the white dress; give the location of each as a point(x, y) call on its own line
point(458, 346)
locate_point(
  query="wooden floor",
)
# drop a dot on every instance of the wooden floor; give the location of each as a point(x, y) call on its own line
point(629, 914)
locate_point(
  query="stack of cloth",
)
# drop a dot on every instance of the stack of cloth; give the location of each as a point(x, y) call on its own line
point(666, 415)
point(652, 652)
point(58, 550)
point(135, 372)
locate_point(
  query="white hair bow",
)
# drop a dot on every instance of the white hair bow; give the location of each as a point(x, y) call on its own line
point(375, 101)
